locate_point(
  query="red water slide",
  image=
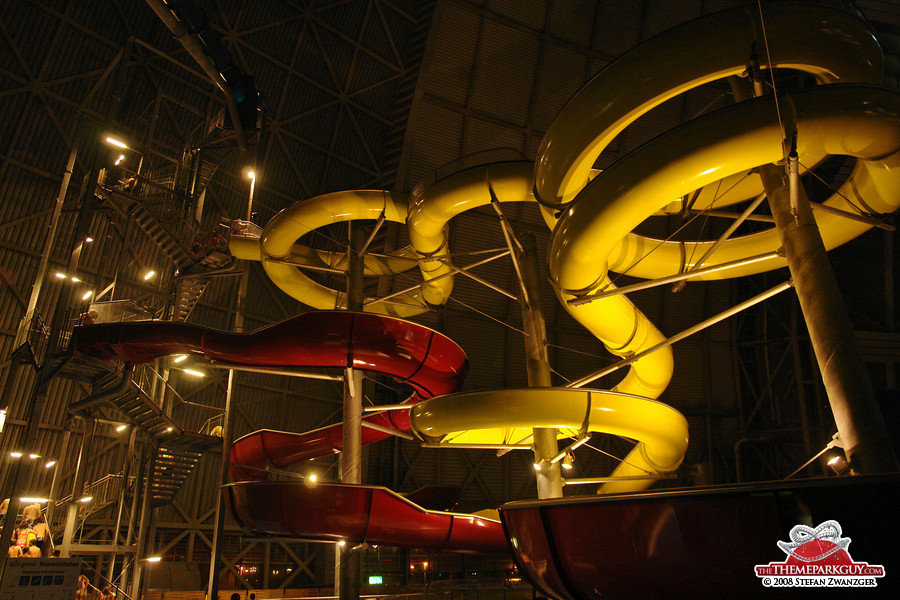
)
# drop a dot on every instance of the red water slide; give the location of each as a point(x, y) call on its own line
point(428, 361)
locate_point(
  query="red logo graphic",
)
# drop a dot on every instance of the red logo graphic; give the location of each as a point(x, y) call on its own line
point(818, 558)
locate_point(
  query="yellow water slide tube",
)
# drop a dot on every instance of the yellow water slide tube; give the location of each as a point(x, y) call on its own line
point(660, 430)
point(593, 222)
point(283, 256)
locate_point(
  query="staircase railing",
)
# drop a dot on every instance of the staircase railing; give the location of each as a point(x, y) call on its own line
point(166, 204)
point(101, 492)
point(149, 379)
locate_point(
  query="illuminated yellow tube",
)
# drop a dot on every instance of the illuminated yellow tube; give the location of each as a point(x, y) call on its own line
point(279, 251)
point(661, 431)
point(827, 42)
point(854, 120)
point(430, 213)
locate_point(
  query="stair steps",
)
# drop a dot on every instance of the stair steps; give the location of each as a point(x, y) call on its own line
point(153, 228)
point(172, 465)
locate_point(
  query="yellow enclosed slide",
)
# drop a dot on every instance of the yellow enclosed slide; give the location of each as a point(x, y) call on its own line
point(593, 219)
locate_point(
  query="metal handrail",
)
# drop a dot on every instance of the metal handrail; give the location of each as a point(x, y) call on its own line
point(145, 371)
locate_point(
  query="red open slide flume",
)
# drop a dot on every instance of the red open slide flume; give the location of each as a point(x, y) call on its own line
point(426, 360)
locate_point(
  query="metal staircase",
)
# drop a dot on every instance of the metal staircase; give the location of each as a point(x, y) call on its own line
point(161, 236)
point(143, 412)
point(172, 465)
point(190, 286)
point(176, 452)
point(167, 236)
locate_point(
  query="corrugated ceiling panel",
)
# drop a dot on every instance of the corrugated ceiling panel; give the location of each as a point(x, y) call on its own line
point(483, 135)
point(437, 138)
point(573, 20)
point(561, 74)
point(449, 74)
point(660, 16)
point(485, 343)
point(619, 26)
point(530, 14)
point(503, 82)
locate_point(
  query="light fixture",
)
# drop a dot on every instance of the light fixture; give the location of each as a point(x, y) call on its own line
point(149, 274)
point(116, 142)
point(34, 456)
point(120, 159)
point(16, 454)
point(180, 358)
point(194, 373)
point(251, 175)
point(153, 558)
point(835, 449)
point(87, 294)
point(49, 464)
point(34, 500)
point(121, 428)
point(2, 419)
point(313, 478)
point(88, 239)
point(568, 461)
point(60, 275)
point(582, 439)
point(86, 499)
point(75, 279)
point(839, 464)
point(539, 465)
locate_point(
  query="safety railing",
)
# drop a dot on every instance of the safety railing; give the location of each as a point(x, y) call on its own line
point(245, 229)
point(118, 311)
point(213, 425)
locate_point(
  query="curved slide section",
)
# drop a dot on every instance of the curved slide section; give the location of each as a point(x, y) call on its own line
point(356, 514)
point(425, 359)
point(660, 430)
point(593, 219)
point(280, 250)
point(829, 43)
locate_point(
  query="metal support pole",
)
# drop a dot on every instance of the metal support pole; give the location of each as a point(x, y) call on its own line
point(120, 508)
point(146, 509)
point(537, 362)
point(215, 563)
point(578, 383)
point(77, 488)
point(55, 482)
point(347, 581)
point(132, 516)
point(856, 413)
point(51, 234)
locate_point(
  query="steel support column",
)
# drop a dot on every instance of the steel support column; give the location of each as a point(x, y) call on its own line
point(347, 581)
point(537, 362)
point(215, 563)
point(856, 413)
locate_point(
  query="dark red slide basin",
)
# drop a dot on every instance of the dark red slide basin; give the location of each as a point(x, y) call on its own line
point(700, 542)
point(356, 514)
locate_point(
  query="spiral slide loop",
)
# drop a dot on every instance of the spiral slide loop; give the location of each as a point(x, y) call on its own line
point(593, 221)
